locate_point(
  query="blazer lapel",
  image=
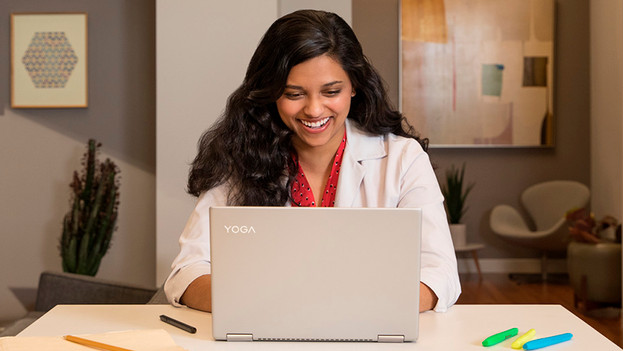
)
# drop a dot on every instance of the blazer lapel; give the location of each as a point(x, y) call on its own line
point(360, 147)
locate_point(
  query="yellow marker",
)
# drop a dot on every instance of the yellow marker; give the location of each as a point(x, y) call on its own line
point(523, 339)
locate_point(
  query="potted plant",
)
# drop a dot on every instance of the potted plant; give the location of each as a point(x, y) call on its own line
point(594, 258)
point(455, 195)
point(89, 224)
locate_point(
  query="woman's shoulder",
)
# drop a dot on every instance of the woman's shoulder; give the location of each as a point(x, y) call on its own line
point(216, 196)
point(392, 140)
point(369, 146)
point(403, 143)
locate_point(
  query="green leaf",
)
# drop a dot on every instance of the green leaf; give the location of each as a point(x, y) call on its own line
point(69, 259)
point(83, 254)
point(454, 193)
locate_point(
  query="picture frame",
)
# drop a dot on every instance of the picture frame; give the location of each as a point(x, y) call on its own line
point(478, 73)
point(49, 60)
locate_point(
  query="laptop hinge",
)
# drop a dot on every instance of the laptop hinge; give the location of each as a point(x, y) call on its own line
point(390, 338)
point(239, 337)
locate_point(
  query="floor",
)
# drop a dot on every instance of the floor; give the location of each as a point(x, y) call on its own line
point(499, 289)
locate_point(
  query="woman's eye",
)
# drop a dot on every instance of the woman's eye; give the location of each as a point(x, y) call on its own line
point(332, 92)
point(293, 96)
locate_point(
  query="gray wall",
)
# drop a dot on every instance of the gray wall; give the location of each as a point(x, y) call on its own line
point(606, 107)
point(501, 174)
point(121, 77)
point(40, 148)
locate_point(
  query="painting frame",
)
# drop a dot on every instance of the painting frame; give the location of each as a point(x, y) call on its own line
point(49, 60)
point(479, 74)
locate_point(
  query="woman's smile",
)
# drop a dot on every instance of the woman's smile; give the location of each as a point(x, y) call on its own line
point(316, 103)
point(315, 125)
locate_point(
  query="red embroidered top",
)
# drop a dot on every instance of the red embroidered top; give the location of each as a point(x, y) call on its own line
point(301, 192)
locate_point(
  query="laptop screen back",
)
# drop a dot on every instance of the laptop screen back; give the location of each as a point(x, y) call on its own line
point(315, 274)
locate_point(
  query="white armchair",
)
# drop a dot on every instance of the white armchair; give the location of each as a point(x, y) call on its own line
point(547, 204)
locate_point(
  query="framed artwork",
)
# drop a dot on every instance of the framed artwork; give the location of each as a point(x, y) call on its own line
point(49, 60)
point(478, 73)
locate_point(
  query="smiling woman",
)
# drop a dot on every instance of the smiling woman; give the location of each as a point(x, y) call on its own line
point(311, 125)
point(314, 106)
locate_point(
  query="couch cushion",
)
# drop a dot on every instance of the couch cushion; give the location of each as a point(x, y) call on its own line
point(67, 288)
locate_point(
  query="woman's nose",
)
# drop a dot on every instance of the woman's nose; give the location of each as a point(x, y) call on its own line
point(314, 107)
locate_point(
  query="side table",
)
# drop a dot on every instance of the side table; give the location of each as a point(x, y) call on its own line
point(473, 248)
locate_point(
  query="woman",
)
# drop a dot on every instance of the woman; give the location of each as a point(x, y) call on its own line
point(311, 125)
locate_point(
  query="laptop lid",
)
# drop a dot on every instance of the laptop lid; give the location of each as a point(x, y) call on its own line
point(315, 274)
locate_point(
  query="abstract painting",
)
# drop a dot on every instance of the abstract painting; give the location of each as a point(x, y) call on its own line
point(48, 60)
point(478, 73)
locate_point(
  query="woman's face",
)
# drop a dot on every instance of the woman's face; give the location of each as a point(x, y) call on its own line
point(315, 103)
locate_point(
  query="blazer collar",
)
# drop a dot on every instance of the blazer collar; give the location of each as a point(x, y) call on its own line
point(361, 146)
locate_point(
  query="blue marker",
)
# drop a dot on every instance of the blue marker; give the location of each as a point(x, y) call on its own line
point(543, 342)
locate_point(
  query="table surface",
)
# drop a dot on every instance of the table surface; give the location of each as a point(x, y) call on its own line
point(463, 327)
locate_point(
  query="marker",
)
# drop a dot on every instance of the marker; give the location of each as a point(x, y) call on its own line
point(496, 338)
point(543, 342)
point(523, 339)
point(178, 324)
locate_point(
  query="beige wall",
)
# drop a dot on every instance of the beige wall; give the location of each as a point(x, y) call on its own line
point(341, 7)
point(203, 48)
point(40, 149)
point(606, 107)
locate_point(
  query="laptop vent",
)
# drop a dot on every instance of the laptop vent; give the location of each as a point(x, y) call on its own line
point(316, 340)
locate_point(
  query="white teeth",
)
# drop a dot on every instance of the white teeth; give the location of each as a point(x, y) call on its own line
point(316, 124)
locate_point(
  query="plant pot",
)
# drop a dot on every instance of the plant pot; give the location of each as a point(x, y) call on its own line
point(458, 234)
point(595, 271)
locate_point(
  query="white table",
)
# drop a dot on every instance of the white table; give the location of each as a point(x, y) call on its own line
point(463, 327)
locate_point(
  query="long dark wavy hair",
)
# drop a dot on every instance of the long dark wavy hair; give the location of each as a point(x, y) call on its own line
point(249, 147)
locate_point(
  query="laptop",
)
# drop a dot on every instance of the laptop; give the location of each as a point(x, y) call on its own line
point(315, 274)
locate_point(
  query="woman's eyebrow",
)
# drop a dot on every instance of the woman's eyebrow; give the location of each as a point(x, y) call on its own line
point(332, 83)
point(294, 87)
point(297, 87)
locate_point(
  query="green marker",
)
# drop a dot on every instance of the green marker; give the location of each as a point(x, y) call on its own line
point(502, 336)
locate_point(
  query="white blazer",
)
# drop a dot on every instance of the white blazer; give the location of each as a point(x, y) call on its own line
point(376, 171)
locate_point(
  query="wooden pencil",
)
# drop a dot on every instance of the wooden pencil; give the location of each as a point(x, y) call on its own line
point(94, 344)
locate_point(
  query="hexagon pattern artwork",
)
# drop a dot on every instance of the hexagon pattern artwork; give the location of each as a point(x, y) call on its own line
point(49, 59)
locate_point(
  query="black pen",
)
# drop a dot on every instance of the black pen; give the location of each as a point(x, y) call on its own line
point(177, 323)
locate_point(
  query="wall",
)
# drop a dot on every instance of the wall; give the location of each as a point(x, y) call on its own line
point(341, 7)
point(380, 42)
point(501, 174)
point(203, 48)
point(40, 149)
point(606, 107)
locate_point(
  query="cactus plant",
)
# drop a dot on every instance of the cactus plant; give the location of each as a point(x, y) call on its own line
point(89, 224)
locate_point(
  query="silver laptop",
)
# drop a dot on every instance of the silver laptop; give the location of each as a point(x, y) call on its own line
point(315, 274)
